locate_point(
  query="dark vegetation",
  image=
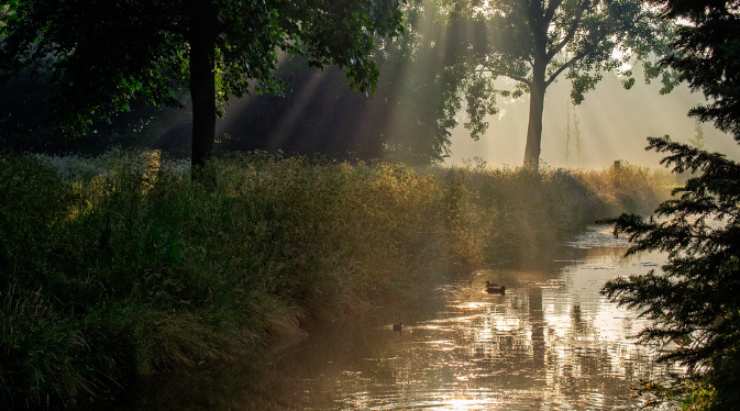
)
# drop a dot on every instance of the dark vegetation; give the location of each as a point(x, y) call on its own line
point(121, 268)
point(694, 300)
point(118, 268)
point(126, 52)
point(440, 59)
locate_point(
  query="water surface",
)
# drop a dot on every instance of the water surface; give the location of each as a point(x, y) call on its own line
point(552, 342)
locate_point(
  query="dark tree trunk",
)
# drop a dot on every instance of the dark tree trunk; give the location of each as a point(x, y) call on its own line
point(538, 84)
point(202, 78)
point(536, 108)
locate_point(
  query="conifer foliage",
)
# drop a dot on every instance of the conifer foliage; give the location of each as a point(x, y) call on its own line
point(695, 301)
point(695, 297)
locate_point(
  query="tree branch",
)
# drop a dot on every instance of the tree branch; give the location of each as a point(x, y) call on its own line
point(571, 31)
point(551, 9)
point(518, 78)
point(564, 67)
point(511, 76)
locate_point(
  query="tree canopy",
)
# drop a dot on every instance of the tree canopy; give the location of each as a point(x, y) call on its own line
point(409, 117)
point(706, 55)
point(533, 43)
point(103, 56)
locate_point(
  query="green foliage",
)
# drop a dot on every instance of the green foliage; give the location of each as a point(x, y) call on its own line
point(706, 54)
point(580, 39)
point(106, 56)
point(122, 267)
point(693, 302)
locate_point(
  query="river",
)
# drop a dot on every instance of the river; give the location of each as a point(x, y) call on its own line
point(552, 342)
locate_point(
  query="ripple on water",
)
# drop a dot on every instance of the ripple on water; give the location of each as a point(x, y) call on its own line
point(551, 342)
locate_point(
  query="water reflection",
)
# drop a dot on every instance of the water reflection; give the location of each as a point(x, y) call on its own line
point(551, 343)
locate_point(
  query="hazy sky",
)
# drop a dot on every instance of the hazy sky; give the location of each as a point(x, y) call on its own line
point(613, 122)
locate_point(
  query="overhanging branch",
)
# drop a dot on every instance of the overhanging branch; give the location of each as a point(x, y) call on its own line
point(571, 30)
point(565, 66)
point(551, 9)
point(520, 79)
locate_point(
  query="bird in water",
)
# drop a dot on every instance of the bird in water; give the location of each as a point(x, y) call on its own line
point(493, 288)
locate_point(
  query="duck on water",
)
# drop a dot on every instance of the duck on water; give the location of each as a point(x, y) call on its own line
point(493, 288)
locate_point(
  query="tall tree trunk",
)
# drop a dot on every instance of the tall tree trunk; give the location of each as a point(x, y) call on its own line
point(202, 78)
point(539, 26)
point(536, 108)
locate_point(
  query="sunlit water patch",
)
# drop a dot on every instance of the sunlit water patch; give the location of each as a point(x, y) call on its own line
point(552, 342)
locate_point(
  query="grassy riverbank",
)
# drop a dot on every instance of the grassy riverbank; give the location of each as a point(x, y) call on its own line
point(121, 267)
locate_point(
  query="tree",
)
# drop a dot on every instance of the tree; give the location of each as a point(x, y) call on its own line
point(106, 55)
point(408, 118)
point(535, 42)
point(706, 55)
point(694, 302)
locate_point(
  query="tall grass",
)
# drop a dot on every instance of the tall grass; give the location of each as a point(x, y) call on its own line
point(121, 267)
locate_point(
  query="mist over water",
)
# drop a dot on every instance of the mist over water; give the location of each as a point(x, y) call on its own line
point(613, 123)
point(552, 342)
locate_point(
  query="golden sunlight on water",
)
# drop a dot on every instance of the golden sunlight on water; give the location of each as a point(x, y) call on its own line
point(552, 342)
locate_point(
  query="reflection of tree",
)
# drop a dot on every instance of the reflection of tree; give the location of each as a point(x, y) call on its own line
point(581, 327)
point(555, 358)
point(575, 315)
point(537, 321)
